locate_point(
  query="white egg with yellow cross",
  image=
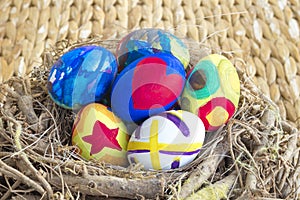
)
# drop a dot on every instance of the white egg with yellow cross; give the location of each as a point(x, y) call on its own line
point(166, 141)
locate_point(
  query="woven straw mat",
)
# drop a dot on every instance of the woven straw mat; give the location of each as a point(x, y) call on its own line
point(262, 34)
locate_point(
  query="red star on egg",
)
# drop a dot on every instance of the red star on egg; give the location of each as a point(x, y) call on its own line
point(102, 137)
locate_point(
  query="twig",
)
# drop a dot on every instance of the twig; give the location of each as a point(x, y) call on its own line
point(26, 197)
point(291, 146)
point(24, 157)
point(11, 172)
point(232, 153)
point(8, 193)
point(218, 190)
point(24, 102)
point(112, 186)
point(203, 171)
point(251, 178)
point(32, 144)
point(242, 146)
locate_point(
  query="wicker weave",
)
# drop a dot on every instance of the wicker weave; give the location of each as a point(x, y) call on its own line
point(263, 33)
point(255, 156)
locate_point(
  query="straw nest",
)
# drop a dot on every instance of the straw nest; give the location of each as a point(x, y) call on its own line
point(264, 33)
point(255, 155)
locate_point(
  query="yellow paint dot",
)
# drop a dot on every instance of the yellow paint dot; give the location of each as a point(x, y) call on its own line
point(217, 116)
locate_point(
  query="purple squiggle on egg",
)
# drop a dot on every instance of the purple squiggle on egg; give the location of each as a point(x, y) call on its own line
point(178, 122)
point(179, 152)
point(175, 164)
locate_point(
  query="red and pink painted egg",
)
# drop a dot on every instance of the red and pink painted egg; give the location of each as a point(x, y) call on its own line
point(148, 86)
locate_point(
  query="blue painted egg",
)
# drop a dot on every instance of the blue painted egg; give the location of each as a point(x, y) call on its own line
point(144, 42)
point(81, 76)
point(147, 86)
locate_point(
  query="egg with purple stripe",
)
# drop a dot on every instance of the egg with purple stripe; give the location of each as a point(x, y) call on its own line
point(166, 141)
point(144, 42)
point(81, 76)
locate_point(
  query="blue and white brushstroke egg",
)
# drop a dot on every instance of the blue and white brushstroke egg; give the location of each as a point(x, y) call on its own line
point(81, 76)
point(149, 41)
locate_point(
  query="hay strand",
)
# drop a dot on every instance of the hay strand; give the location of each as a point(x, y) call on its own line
point(264, 34)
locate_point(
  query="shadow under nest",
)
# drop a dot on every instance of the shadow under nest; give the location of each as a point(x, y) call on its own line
point(255, 155)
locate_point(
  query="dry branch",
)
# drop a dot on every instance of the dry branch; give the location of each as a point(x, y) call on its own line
point(218, 190)
point(203, 171)
point(111, 186)
point(13, 173)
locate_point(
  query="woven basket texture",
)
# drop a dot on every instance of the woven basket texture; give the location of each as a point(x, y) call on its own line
point(264, 34)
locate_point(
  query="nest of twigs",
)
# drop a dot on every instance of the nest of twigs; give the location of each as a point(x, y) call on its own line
point(255, 155)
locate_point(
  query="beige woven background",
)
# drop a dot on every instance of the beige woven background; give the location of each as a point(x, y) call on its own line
point(263, 33)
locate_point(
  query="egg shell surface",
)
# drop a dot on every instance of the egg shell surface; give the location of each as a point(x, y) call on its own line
point(166, 141)
point(81, 76)
point(212, 91)
point(145, 42)
point(148, 86)
point(100, 135)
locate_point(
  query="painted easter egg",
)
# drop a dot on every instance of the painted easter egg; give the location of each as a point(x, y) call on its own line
point(168, 140)
point(100, 135)
point(144, 42)
point(149, 85)
point(81, 76)
point(212, 91)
